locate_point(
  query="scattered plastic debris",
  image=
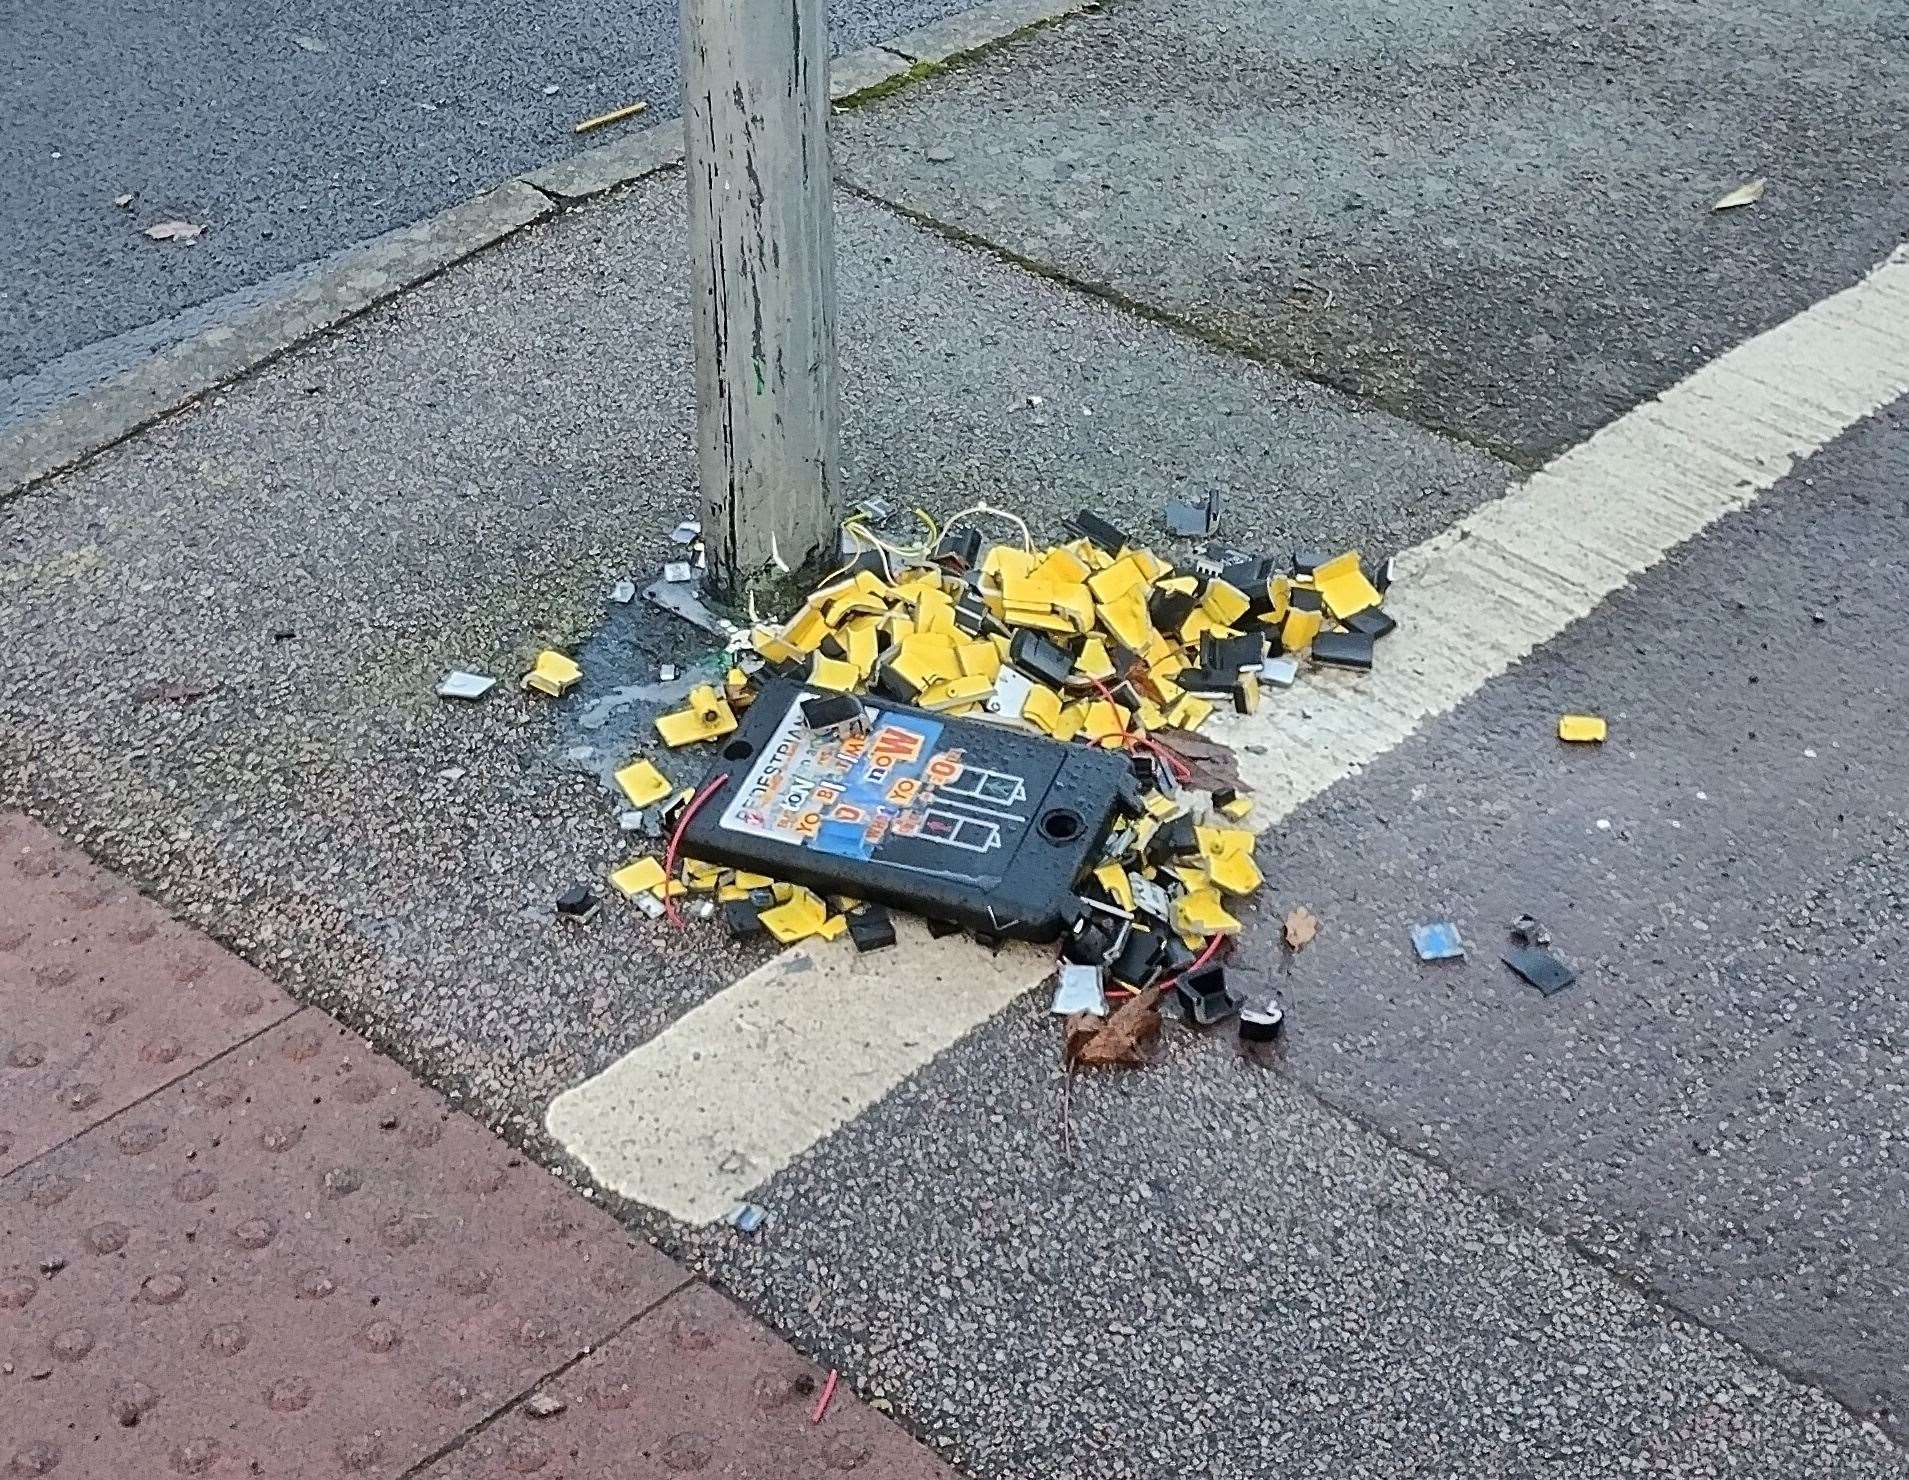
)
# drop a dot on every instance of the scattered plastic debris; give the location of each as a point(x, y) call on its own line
point(747, 1217)
point(921, 708)
point(1438, 942)
point(183, 232)
point(1540, 967)
point(544, 1405)
point(577, 904)
point(643, 784)
point(457, 684)
point(1527, 931)
point(553, 674)
point(687, 533)
point(1582, 729)
point(1080, 987)
point(623, 592)
point(1190, 521)
point(1263, 1022)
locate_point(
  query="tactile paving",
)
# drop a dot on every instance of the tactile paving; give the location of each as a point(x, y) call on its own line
point(296, 1263)
point(695, 1388)
point(103, 997)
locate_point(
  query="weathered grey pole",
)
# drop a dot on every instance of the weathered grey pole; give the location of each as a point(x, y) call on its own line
point(762, 249)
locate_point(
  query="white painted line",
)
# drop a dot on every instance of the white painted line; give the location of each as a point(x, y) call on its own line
point(741, 1086)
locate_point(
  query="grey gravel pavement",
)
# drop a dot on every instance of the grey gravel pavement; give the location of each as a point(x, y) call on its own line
point(224, 635)
point(290, 132)
point(1649, 1227)
point(1719, 1107)
point(1491, 217)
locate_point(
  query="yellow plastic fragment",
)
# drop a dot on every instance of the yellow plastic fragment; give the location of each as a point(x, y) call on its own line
point(1344, 587)
point(862, 641)
point(979, 659)
point(1124, 577)
point(941, 697)
point(801, 916)
point(1582, 729)
point(1279, 591)
point(833, 927)
point(1062, 566)
point(1125, 620)
point(1160, 806)
point(639, 876)
point(1101, 721)
point(642, 783)
point(1189, 712)
point(1234, 872)
point(1201, 913)
point(934, 611)
point(700, 877)
point(1042, 709)
point(806, 629)
point(1071, 718)
point(1224, 603)
point(1093, 661)
point(1113, 878)
point(837, 674)
point(1238, 808)
point(706, 717)
point(773, 646)
point(552, 674)
point(1298, 630)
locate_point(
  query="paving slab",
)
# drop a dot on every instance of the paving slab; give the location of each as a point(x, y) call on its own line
point(1492, 217)
point(1717, 1107)
point(295, 1260)
point(227, 632)
point(103, 1000)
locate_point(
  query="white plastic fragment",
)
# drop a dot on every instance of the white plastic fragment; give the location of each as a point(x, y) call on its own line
point(1079, 989)
point(623, 592)
point(678, 571)
point(457, 684)
point(1281, 672)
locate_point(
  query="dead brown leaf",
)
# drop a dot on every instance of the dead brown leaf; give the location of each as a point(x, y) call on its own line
point(1119, 1041)
point(184, 232)
point(1301, 926)
point(1214, 767)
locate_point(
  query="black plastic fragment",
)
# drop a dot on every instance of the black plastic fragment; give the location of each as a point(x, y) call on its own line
point(871, 928)
point(1134, 965)
point(743, 919)
point(1203, 991)
point(1091, 526)
point(1307, 599)
point(1343, 650)
point(826, 713)
point(959, 550)
point(940, 929)
point(1305, 562)
point(1540, 967)
point(1372, 623)
point(1232, 655)
point(1168, 609)
point(577, 903)
point(1264, 1023)
point(1039, 659)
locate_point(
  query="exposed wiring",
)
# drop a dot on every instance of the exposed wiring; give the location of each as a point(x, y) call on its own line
point(986, 510)
point(676, 841)
point(1181, 770)
point(1212, 949)
point(828, 1396)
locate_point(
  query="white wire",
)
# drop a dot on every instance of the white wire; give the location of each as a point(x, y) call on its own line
point(988, 510)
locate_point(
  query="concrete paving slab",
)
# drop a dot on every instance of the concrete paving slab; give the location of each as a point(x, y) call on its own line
point(104, 1000)
point(227, 632)
point(297, 1261)
point(1716, 1107)
point(1491, 217)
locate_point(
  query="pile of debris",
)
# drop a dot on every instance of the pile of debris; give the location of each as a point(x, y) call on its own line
point(902, 739)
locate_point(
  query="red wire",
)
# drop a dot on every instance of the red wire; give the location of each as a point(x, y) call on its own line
point(675, 842)
point(1180, 768)
point(1212, 949)
point(822, 1403)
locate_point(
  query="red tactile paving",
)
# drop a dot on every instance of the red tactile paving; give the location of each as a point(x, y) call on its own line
point(103, 997)
point(695, 1388)
point(304, 1263)
point(295, 1262)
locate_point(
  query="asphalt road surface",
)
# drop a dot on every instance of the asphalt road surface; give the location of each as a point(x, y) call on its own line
point(290, 132)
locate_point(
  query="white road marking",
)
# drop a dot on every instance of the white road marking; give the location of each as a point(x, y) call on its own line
point(745, 1083)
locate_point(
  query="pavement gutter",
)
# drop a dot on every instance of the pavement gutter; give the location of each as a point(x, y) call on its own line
point(381, 269)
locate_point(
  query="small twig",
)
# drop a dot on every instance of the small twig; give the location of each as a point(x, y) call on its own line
point(1067, 1115)
point(615, 115)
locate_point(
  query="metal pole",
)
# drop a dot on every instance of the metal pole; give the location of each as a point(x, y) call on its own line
point(762, 285)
